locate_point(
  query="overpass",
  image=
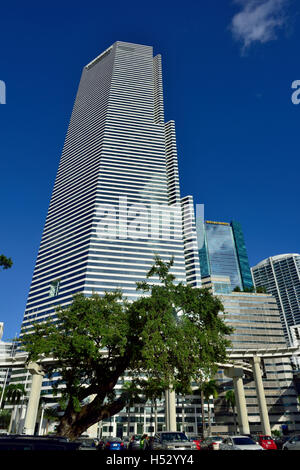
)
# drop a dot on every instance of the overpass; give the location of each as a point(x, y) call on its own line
point(235, 369)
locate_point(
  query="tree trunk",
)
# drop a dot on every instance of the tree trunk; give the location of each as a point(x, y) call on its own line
point(73, 423)
point(209, 423)
point(155, 416)
point(234, 419)
point(203, 413)
point(128, 420)
point(182, 413)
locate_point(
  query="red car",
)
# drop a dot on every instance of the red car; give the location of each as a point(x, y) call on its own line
point(267, 442)
point(197, 441)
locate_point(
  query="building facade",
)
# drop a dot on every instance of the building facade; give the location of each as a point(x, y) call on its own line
point(223, 253)
point(257, 326)
point(280, 275)
point(6, 350)
point(116, 199)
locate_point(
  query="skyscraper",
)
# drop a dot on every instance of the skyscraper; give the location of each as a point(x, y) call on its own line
point(257, 326)
point(223, 253)
point(116, 188)
point(116, 198)
point(280, 275)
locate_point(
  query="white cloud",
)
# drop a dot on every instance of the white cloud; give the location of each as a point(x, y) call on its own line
point(258, 21)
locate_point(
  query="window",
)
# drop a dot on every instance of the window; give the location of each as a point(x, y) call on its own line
point(54, 288)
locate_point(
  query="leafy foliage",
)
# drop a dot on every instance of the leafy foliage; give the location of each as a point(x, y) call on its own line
point(261, 290)
point(5, 416)
point(5, 262)
point(13, 394)
point(160, 340)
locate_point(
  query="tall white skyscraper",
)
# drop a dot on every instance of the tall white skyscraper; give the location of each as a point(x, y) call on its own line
point(116, 199)
point(280, 275)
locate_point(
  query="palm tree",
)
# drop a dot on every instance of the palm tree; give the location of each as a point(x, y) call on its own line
point(51, 414)
point(230, 400)
point(199, 391)
point(5, 416)
point(210, 388)
point(132, 398)
point(154, 392)
point(13, 395)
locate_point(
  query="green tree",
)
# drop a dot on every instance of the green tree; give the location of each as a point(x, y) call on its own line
point(5, 417)
point(12, 396)
point(51, 415)
point(248, 289)
point(131, 390)
point(210, 389)
point(261, 290)
point(5, 263)
point(231, 402)
point(237, 289)
point(168, 335)
point(154, 391)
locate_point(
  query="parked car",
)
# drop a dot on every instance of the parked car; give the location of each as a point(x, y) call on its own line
point(134, 443)
point(25, 442)
point(113, 443)
point(87, 443)
point(172, 440)
point(211, 443)
point(197, 440)
point(126, 440)
point(267, 442)
point(279, 441)
point(293, 443)
point(239, 443)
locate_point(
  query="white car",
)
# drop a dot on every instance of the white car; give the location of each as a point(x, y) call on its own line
point(293, 443)
point(239, 443)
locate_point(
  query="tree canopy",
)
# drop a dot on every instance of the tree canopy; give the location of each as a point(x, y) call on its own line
point(162, 339)
point(5, 262)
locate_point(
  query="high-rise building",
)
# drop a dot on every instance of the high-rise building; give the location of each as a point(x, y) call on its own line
point(6, 350)
point(256, 321)
point(223, 253)
point(116, 198)
point(257, 327)
point(280, 275)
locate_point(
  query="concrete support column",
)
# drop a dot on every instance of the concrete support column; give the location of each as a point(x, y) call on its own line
point(92, 431)
point(236, 373)
point(34, 398)
point(261, 398)
point(170, 410)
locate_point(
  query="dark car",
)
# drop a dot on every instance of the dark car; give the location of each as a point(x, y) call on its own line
point(134, 443)
point(86, 443)
point(126, 440)
point(279, 441)
point(23, 442)
point(113, 443)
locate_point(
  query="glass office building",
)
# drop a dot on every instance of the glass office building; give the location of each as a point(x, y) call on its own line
point(224, 253)
point(280, 275)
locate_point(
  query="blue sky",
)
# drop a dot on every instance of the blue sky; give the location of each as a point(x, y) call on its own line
point(228, 67)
